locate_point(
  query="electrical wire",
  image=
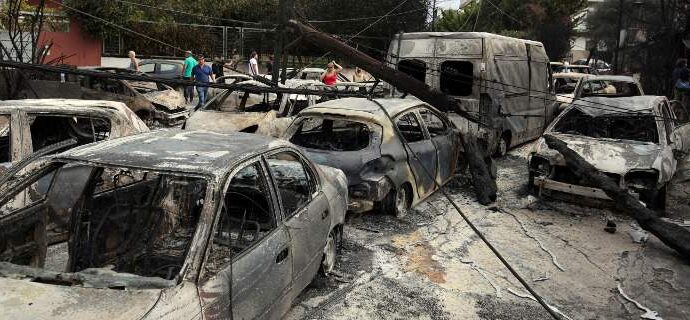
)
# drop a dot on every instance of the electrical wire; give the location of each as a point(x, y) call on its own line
point(115, 25)
point(493, 249)
point(505, 14)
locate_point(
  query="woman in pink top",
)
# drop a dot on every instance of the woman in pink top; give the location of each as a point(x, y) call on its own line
point(330, 77)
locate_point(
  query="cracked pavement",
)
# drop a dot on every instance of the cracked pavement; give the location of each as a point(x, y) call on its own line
point(430, 265)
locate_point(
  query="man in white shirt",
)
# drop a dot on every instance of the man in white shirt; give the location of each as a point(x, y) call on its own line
point(254, 64)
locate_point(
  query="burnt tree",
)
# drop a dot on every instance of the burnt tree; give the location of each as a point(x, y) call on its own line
point(669, 233)
point(484, 184)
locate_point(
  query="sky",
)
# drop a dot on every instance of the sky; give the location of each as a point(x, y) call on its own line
point(449, 4)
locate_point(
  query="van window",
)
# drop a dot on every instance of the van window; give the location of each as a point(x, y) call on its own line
point(5, 139)
point(414, 68)
point(457, 78)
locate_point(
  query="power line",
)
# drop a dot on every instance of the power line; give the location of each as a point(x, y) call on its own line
point(189, 13)
point(366, 18)
point(504, 13)
point(115, 25)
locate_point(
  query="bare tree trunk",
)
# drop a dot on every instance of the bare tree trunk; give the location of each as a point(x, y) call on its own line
point(670, 234)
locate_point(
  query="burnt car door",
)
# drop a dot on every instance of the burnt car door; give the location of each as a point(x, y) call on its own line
point(248, 267)
point(681, 129)
point(305, 212)
point(445, 140)
point(421, 154)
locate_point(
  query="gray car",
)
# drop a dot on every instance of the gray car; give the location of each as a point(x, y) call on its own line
point(391, 163)
point(171, 224)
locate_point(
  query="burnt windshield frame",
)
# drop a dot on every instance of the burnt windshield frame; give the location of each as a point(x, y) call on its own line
point(609, 126)
point(82, 252)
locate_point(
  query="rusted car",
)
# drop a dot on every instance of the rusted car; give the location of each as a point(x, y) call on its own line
point(251, 109)
point(30, 125)
point(637, 141)
point(603, 87)
point(170, 225)
point(392, 163)
point(565, 85)
point(151, 101)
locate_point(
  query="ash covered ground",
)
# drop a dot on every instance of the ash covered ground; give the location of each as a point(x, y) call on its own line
point(431, 265)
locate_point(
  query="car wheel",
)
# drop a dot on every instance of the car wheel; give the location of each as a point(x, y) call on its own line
point(397, 202)
point(329, 254)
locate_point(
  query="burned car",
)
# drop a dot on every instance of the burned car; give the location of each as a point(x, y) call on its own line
point(171, 224)
point(391, 163)
point(636, 141)
point(27, 126)
point(602, 87)
point(251, 109)
point(151, 101)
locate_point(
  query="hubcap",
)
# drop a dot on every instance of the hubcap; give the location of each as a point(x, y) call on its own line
point(329, 255)
point(401, 202)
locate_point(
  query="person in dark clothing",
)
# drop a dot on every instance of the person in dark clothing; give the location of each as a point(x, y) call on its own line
point(269, 65)
point(681, 64)
point(218, 67)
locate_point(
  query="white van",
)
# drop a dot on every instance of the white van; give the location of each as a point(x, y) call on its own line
point(506, 81)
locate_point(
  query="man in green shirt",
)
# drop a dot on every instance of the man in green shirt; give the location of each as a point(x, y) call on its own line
point(189, 64)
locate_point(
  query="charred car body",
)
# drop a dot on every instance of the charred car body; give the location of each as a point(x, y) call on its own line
point(152, 102)
point(171, 224)
point(27, 126)
point(637, 141)
point(357, 136)
point(600, 86)
point(249, 110)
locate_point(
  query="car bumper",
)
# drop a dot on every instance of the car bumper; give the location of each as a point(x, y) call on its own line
point(360, 205)
point(548, 184)
point(364, 195)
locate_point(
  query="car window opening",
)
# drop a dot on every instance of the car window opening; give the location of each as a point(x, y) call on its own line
point(47, 130)
point(457, 78)
point(295, 183)
point(5, 139)
point(414, 68)
point(610, 89)
point(243, 101)
point(640, 128)
point(409, 128)
point(331, 134)
point(130, 221)
point(565, 85)
point(246, 217)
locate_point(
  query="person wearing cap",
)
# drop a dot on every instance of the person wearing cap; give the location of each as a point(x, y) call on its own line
point(189, 64)
point(202, 73)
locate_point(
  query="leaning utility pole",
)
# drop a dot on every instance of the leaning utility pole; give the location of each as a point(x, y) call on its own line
point(484, 183)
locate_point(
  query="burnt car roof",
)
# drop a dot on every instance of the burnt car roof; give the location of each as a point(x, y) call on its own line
point(610, 77)
point(601, 106)
point(201, 152)
point(58, 103)
point(394, 106)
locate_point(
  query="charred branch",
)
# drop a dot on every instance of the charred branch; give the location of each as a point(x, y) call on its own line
point(669, 233)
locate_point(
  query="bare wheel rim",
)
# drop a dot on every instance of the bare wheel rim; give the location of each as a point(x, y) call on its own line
point(401, 202)
point(329, 255)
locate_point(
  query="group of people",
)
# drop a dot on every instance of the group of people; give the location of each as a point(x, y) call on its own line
point(196, 69)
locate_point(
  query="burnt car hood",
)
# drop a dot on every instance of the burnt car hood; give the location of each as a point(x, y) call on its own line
point(607, 155)
point(169, 99)
point(265, 123)
point(23, 299)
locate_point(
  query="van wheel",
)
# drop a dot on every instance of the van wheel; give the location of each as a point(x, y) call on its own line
point(329, 254)
point(397, 202)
